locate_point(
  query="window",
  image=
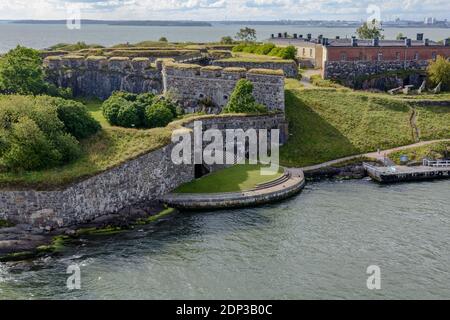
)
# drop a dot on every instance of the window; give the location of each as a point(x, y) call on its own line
point(397, 56)
point(310, 52)
point(380, 56)
point(343, 56)
point(416, 56)
point(304, 52)
point(433, 55)
point(361, 56)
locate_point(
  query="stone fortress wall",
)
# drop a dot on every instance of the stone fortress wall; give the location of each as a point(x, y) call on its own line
point(99, 77)
point(289, 67)
point(146, 178)
point(356, 73)
point(191, 83)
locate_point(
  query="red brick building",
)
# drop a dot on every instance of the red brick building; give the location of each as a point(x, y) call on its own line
point(383, 50)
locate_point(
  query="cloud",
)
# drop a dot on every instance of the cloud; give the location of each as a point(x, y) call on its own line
point(221, 9)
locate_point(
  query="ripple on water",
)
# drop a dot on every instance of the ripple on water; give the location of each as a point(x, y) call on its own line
point(315, 245)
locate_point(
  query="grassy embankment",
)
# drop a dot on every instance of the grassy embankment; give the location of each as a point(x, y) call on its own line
point(330, 123)
point(325, 124)
point(236, 178)
point(437, 150)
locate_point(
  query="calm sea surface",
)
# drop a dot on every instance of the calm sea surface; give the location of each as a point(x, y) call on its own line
point(42, 36)
point(315, 245)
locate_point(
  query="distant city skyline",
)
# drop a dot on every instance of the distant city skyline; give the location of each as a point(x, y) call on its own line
point(214, 10)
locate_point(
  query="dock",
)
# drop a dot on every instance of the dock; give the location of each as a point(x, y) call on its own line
point(391, 174)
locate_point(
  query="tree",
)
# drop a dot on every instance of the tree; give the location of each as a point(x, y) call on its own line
point(246, 34)
point(226, 40)
point(21, 72)
point(163, 39)
point(400, 36)
point(370, 30)
point(439, 71)
point(242, 99)
point(289, 52)
point(158, 115)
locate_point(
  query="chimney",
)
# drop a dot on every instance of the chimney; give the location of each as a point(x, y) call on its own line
point(300, 36)
point(272, 35)
point(447, 42)
point(408, 42)
point(295, 36)
point(324, 41)
point(319, 39)
point(426, 42)
point(375, 42)
point(279, 35)
point(285, 34)
point(420, 37)
point(337, 37)
point(309, 36)
point(354, 42)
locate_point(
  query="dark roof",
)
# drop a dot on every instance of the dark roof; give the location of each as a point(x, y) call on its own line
point(346, 42)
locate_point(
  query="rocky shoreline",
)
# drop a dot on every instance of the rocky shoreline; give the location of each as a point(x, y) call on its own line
point(346, 172)
point(22, 241)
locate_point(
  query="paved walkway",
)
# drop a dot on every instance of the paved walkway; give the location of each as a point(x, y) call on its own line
point(267, 194)
point(306, 77)
point(378, 156)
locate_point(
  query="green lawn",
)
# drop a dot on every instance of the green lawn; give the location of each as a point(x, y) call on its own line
point(433, 122)
point(326, 124)
point(235, 178)
point(95, 108)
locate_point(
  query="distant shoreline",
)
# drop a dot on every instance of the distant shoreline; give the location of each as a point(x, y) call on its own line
point(144, 23)
point(181, 23)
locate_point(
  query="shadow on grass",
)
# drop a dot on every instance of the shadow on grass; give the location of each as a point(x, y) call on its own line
point(311, 138)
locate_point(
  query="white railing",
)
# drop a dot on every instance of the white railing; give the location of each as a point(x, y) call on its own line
point(436, 163)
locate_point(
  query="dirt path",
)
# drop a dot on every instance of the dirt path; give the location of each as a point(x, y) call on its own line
point(381, 156)
point(306, 77)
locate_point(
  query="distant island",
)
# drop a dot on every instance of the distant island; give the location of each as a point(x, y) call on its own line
point(152, 23)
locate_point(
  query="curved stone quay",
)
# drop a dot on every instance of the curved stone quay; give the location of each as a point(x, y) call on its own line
point(291, 183)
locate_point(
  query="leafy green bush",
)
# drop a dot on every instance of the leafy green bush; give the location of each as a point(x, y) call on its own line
point(128, 116)
point(242, 100)
point(111, 108)
point(159, 115)
point(21, 72)
point(131, 110)
point(38, 132)
point(289, 52)
point(76, 118)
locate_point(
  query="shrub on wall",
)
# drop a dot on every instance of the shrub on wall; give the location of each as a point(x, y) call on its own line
point(439, 72)
point(159, 115)
point(76, 118)
point(242, 100)
point(289, 52)
point(131, 110)
point(38, 132)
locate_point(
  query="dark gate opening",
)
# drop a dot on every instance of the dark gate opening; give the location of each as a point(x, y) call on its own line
point(200, 170)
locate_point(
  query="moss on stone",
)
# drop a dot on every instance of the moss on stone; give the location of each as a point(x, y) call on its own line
point(99, 231)
point(119, 59)
point(269, 72)
point(155, 217)
point(54, 58)
point(234, 70)
point(73, 57)
point(96, 58)
point(141, 59)
point(5, 224)
point(211, 68)
point(183, 66)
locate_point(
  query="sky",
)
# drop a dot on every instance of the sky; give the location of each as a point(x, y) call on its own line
point(207, 10)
